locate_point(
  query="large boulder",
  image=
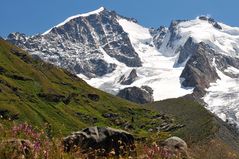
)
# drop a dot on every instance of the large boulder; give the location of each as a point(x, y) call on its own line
point(138, 95)
point(100, 141)
point(176, 146)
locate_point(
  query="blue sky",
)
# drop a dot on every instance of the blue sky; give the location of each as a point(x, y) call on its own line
point(36, 16)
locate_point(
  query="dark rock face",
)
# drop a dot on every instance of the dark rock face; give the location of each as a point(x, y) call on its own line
point(86, 118)
point(186, 51)
point(158, 35)
point(78, 45)
point(7, 115)
point(110, 115)
point(211, 21)
point(94, 97)
point(199, 70)
point(137, 95)
point(129, 79)
point(52, 97)
point(173, 32)
point(223, 62)
point(100, 139)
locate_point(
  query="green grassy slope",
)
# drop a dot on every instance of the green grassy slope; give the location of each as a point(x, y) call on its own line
point(198, 121)
point(201, 126)
point(36, 92)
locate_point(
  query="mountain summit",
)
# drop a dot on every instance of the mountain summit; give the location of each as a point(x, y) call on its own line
point(114, 53)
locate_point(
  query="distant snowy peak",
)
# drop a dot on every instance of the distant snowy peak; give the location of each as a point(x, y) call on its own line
point(220, 37)
point(98, 11)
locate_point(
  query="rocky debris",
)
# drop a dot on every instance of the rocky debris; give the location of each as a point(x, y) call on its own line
point(68, 99)
point(158, 35)
point(17, 148)
point(7, 115)
point(93, 97)
point(13, 88)
point(2, 70)
point(86, 118)
point(18, 77)
point(52, 97)
point(160, 116)
point(165, 126)
point(176, 146)
point(211, 21)
point(162, 123)
point(110, 115)
point(137, 95)
point(22, 55)
point(118, 120)
point(199, 70)
point(128, 80)
point(79, 45)
point(100, 141)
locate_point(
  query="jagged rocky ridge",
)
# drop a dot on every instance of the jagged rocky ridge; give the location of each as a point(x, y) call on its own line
point(197, 56)
point(81, 44)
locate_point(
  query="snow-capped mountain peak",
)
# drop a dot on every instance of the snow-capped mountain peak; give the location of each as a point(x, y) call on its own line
point(112, 53)
point(220, 37)
point(97, 11)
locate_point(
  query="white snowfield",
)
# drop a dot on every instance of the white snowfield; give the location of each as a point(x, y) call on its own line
point(223, 97)
point(225, 41)
point(158, 69)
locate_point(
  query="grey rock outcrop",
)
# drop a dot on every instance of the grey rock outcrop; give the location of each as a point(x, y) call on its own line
point(100, 140)
point(158, 35)
point(186, 51)
point(138, 95)
point(199, 70)
point(224, 62)
point(127, 80)
point(174, 36)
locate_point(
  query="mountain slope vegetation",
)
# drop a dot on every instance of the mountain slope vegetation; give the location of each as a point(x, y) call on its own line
point(202, 128)
point(37, 92)
point(53, 99)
